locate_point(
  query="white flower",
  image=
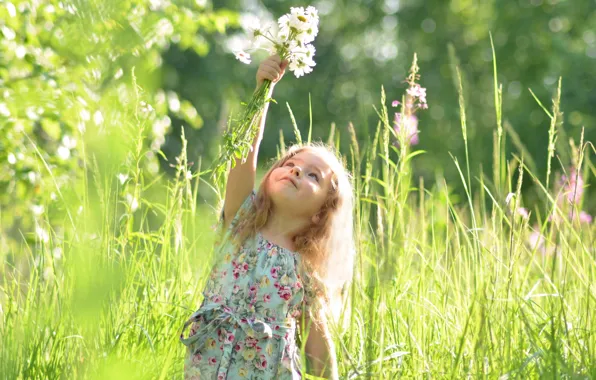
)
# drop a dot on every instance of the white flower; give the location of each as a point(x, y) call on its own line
point(63, 153)
point(69, 142)
point(310, 52)
point(32, 114)
point(304, 23)
point(160, 126)
point(300, 67)
point(299, 20)
point(284, 26)
point(173, 101)
point(37, 209)
point(242, 56)
point(122, 178)
point(57, 252)
point(312, 13)
point(9, 34)
point(12, 11)
point(20, 52)
point(146, 107)
point(252, 25)
point(118, 73)
point(85, 115)
point(32, 176)
point(509, 198)
point(42, 234)
point(97, 118)
point(132, 202)
point(4, 111)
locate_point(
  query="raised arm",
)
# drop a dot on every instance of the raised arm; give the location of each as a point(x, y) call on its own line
point(241, 179)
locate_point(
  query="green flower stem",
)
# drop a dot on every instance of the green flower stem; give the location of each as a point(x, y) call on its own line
point(241, 132)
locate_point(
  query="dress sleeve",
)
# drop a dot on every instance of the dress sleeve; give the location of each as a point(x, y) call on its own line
point(313, 293)
point(245, 208)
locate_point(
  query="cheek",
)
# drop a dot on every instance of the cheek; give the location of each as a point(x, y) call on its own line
point(276, 175)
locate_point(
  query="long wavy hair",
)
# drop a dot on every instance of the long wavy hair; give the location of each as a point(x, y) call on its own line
point(327, 248)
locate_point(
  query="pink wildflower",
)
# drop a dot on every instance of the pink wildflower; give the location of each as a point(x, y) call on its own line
point(410, 125)
point(584, 217)
point(573, 187)
point(523, 212)
point(418, 93)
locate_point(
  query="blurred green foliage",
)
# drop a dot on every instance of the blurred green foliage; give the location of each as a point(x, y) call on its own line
point(74, 71)
point(77, 69)
point(363, 45)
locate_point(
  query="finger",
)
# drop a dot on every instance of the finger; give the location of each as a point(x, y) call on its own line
point(275, 58)
point(284, 64)
point(269, 73)
point(273, 65)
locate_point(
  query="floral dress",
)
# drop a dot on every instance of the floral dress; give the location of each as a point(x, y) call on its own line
point(245, 327)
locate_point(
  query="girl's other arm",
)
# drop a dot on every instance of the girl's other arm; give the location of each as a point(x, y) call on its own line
point(241, 179)
point(320, 350)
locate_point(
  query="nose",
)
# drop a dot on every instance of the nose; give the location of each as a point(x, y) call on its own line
point(297, 171)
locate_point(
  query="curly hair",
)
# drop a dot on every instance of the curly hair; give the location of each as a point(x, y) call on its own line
point(327, 248)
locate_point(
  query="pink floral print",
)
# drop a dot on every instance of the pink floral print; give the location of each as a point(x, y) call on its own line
point(246, 325)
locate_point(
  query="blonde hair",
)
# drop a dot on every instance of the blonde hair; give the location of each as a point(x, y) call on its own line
point(327, 248)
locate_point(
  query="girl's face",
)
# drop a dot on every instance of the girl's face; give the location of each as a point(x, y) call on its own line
point(301, 184)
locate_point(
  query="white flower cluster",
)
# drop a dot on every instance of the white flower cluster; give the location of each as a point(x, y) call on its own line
point(292, 42)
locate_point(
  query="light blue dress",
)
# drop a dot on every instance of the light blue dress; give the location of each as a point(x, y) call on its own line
point(246, 325)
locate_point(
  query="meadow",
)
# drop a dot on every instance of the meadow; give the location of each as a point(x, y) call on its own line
point(445, 286)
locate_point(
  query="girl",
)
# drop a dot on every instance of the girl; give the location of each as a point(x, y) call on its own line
point(285, 254)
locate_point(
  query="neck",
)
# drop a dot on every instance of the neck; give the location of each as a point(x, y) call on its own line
point(282, 227)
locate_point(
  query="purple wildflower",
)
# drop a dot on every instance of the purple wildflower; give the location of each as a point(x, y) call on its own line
point(395, 103)
point(410, 125)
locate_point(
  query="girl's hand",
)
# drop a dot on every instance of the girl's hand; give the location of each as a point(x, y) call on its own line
point(272, 69)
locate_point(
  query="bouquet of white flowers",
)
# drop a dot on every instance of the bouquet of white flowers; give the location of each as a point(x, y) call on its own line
point(292, 41)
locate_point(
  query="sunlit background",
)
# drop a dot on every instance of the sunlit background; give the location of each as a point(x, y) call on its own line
point(109, 110)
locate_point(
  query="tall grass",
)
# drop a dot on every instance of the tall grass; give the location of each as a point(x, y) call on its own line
point(444, 288)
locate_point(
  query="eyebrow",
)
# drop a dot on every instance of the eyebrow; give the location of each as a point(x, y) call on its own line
point(314, 167)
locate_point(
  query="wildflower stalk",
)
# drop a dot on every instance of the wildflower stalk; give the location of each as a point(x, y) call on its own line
point(552, 132)
point(498, 90)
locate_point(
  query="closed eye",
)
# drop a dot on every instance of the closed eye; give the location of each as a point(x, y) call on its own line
point(315, 176)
